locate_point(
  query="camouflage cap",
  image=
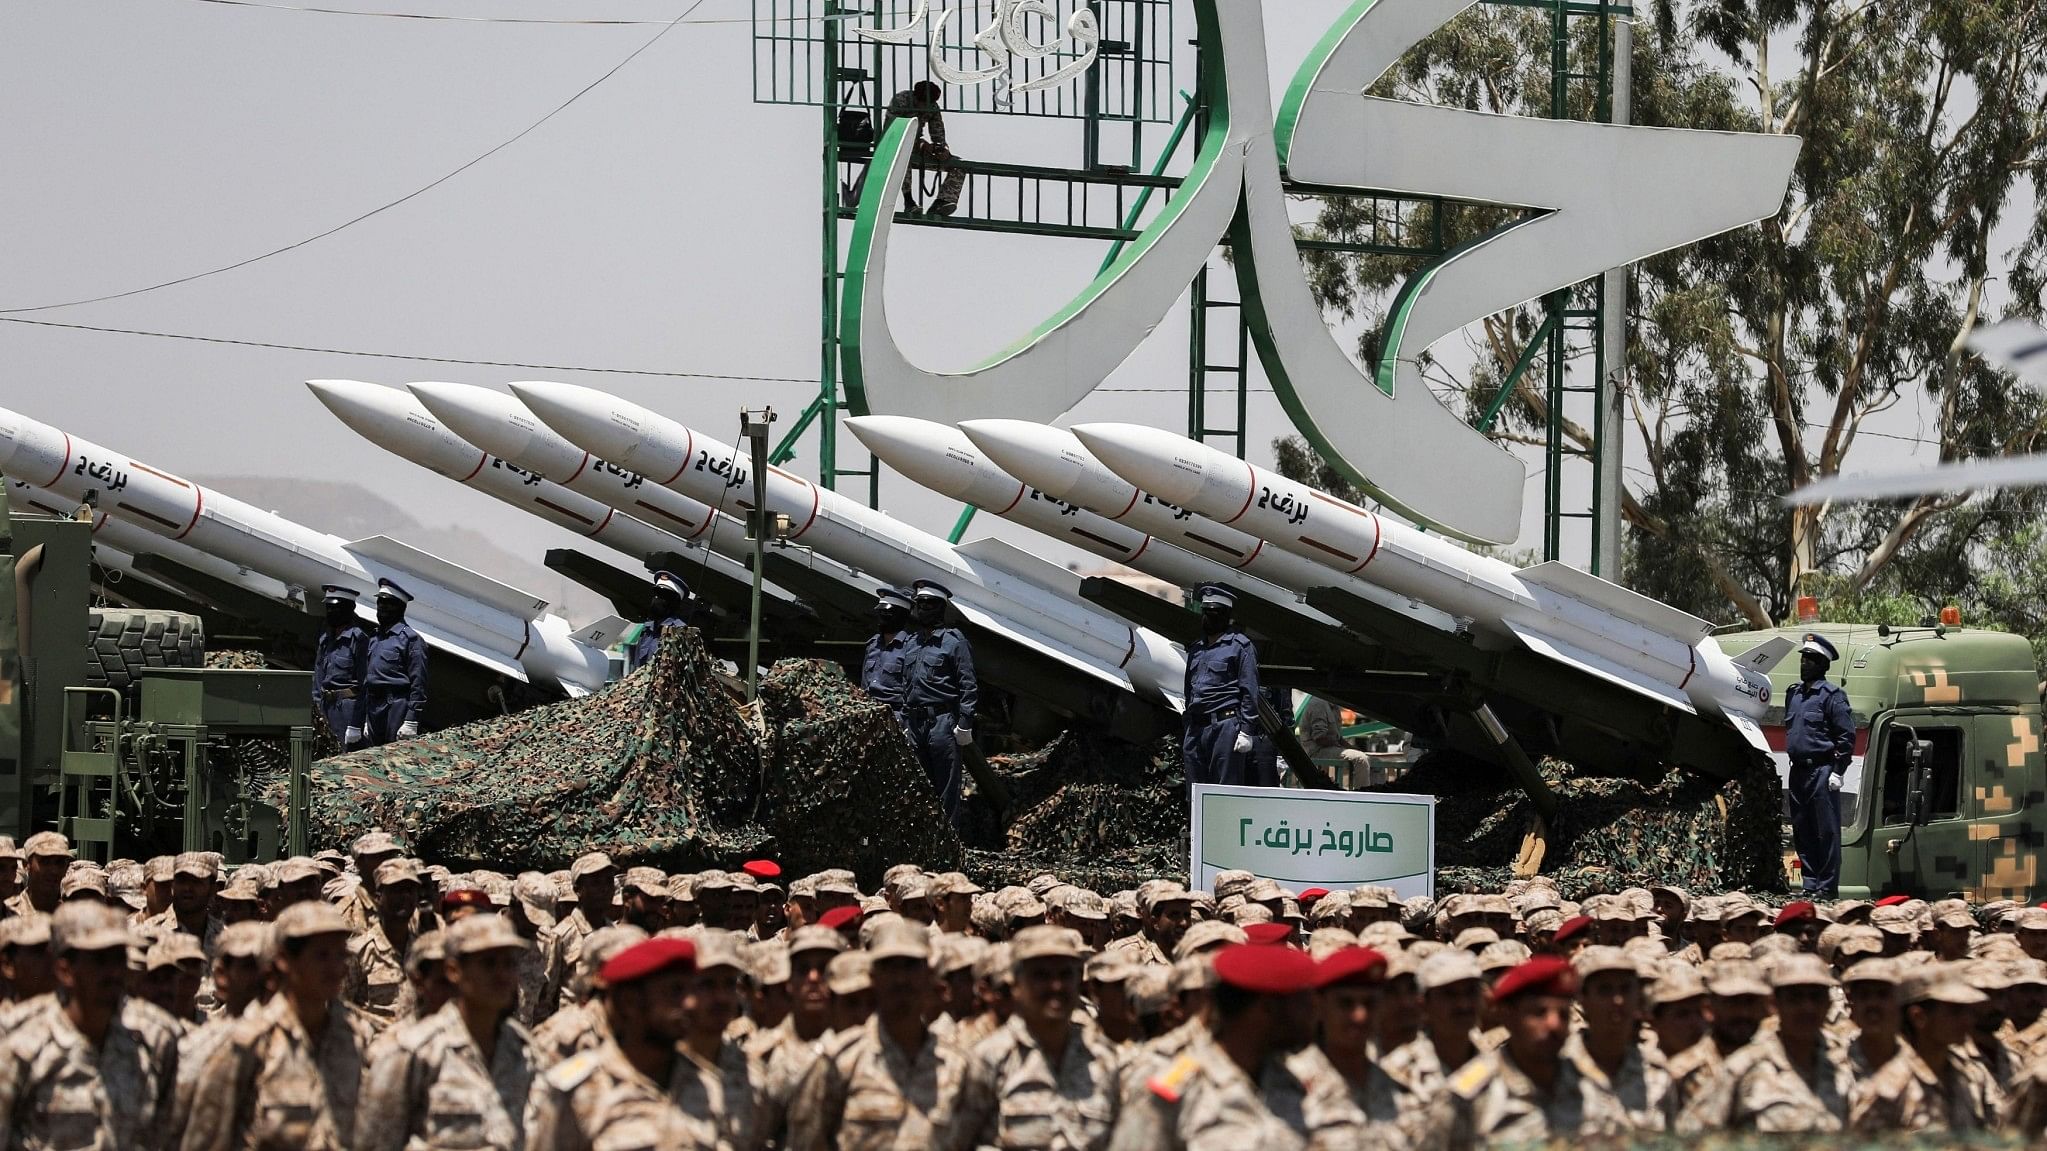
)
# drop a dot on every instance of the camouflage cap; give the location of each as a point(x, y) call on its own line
point(159, 868)
point(2025, 973)
point(2032, 919)
point(1730, 978)
point(8, 848)
point(308, 920)
point(1595, 960)
point(1447, 967)
point(1123, 903)
point(901, 940)
point(590, 864)
point(1984, 975)
point(1161, 891)
point(1333, 909)
point(1936, 983)
point(1385, 936)
point(850, 973)
point(1878, 970)
point(1503, 956)
point(1730, 950)
point(767, 961)
point(485, 931)
point(993, 966)
point(299, 869)
point(1085, 904)
point(1194, 973)
point(953, 883)
point(952, 953)
point(811, 937)
point(27, 930)
point(1207, 935)
point(1676, 982)
point(83, 880)
point(649, 881)
point(1246, 914)
point(46, 843)
point(536, 895)
point(173, 950)
point(427, 948)
point(243, 887)
point(682, 888)
point(1895, 920)
point(1326, 941)
point(390, 873)
point(601, 945)
point(1544, 920)
point(1043, 942)
point(1950, 913)
point(375, 843)
point(1800, 970)
point(1149, 988)
point(198, 864)
point(1263, 890)
point(248, 939)
point(909, 887)
point(715, 948)
point(1108, 967)
point(1475, 939)
point(1233, 882)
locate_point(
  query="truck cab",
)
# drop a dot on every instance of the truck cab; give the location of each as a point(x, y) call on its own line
point(1940, 798)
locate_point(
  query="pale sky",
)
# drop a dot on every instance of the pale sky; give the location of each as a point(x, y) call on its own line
point(665, 221)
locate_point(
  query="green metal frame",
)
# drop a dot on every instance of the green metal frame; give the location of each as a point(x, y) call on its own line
point(833, 65)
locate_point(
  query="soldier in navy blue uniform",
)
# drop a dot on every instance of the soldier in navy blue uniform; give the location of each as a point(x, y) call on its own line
point(339, 661)
point(394, 682)
point(1819, 738)
point(1222, 694)
point(939, 693)
point(885, 667)
point(668, 608)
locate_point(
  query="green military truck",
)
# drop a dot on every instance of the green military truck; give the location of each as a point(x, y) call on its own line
point(1942, 795)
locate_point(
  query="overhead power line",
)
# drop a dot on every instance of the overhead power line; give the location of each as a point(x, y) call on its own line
point(506, 19)
point(407, 356)
point(585, 90)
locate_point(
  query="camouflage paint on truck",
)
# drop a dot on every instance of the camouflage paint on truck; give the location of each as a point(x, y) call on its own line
point(1973, 697)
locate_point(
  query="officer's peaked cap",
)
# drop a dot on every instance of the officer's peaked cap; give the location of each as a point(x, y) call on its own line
point(388, 588)
point(1816, 644)
point(670, 582)
point(337, 593)
point(892, 597)
point(1215, 595)
point(930, 589)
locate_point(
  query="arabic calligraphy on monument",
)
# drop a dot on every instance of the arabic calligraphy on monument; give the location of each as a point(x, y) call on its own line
point(1005, 40)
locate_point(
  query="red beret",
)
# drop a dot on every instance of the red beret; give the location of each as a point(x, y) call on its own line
point(465, 897)
point(648, 957)
point(1571, 927)
point(1893, 900)
point(1265, 970)
point(762, 868)
point(1542, 975)
point(1268, 933)
point(1309, 896)
point(1350, 965)
point(838, 917)
point(1795, 910)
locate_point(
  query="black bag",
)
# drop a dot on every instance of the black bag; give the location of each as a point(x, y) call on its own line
point(856, 127)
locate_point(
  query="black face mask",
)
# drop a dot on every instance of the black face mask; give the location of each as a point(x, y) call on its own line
point(340, 614)
point(1215, 619)
point(664, 605)
point(390, 611)
point(928, 612)
point(888, 618)
point(1812, 667)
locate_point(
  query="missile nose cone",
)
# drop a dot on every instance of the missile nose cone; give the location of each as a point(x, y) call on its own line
point(459, 406)
point(900, 440)
point(1168, 466)
point(574, 411)
point(362, 406)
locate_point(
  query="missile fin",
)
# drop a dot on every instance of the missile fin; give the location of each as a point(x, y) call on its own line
point(1011, 632)
point(603, 633)
point(1659, 617)
point(1023, 565)
point(1585, 661)
point(1765, 656)
point(472, 653)
point(1749, 730)
point(406, 558)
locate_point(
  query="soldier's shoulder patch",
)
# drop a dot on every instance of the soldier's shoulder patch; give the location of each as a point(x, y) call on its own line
point(1170, 1083)
point(570, 1073)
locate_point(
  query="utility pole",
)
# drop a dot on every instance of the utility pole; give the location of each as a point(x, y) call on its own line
point(1611, 432)
point(753, 427)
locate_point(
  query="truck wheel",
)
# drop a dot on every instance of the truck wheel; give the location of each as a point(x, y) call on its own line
point(119, 644)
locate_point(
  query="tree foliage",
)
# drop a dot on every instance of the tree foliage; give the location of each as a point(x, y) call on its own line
point(1757, 359)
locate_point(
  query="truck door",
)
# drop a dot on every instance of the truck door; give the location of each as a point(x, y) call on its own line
point(2006, 775)
point(1933, 858)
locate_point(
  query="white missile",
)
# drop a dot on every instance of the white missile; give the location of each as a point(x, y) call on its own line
point(1054, 460)
point(994, 586)
point(393, 419)
point(456, 610)
point(499, 423)
point(1552, 609)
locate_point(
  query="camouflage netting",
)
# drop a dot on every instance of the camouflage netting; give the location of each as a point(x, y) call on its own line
point(1611, 832)
point(237, 660)
point(1098, 811)
point(660, 768)
point(845, 791)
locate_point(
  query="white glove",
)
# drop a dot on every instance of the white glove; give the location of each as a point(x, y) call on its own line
point(1243, 744)
point(1834, 780)
point(963, 735)
point(408, 729)
point(351, 737)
